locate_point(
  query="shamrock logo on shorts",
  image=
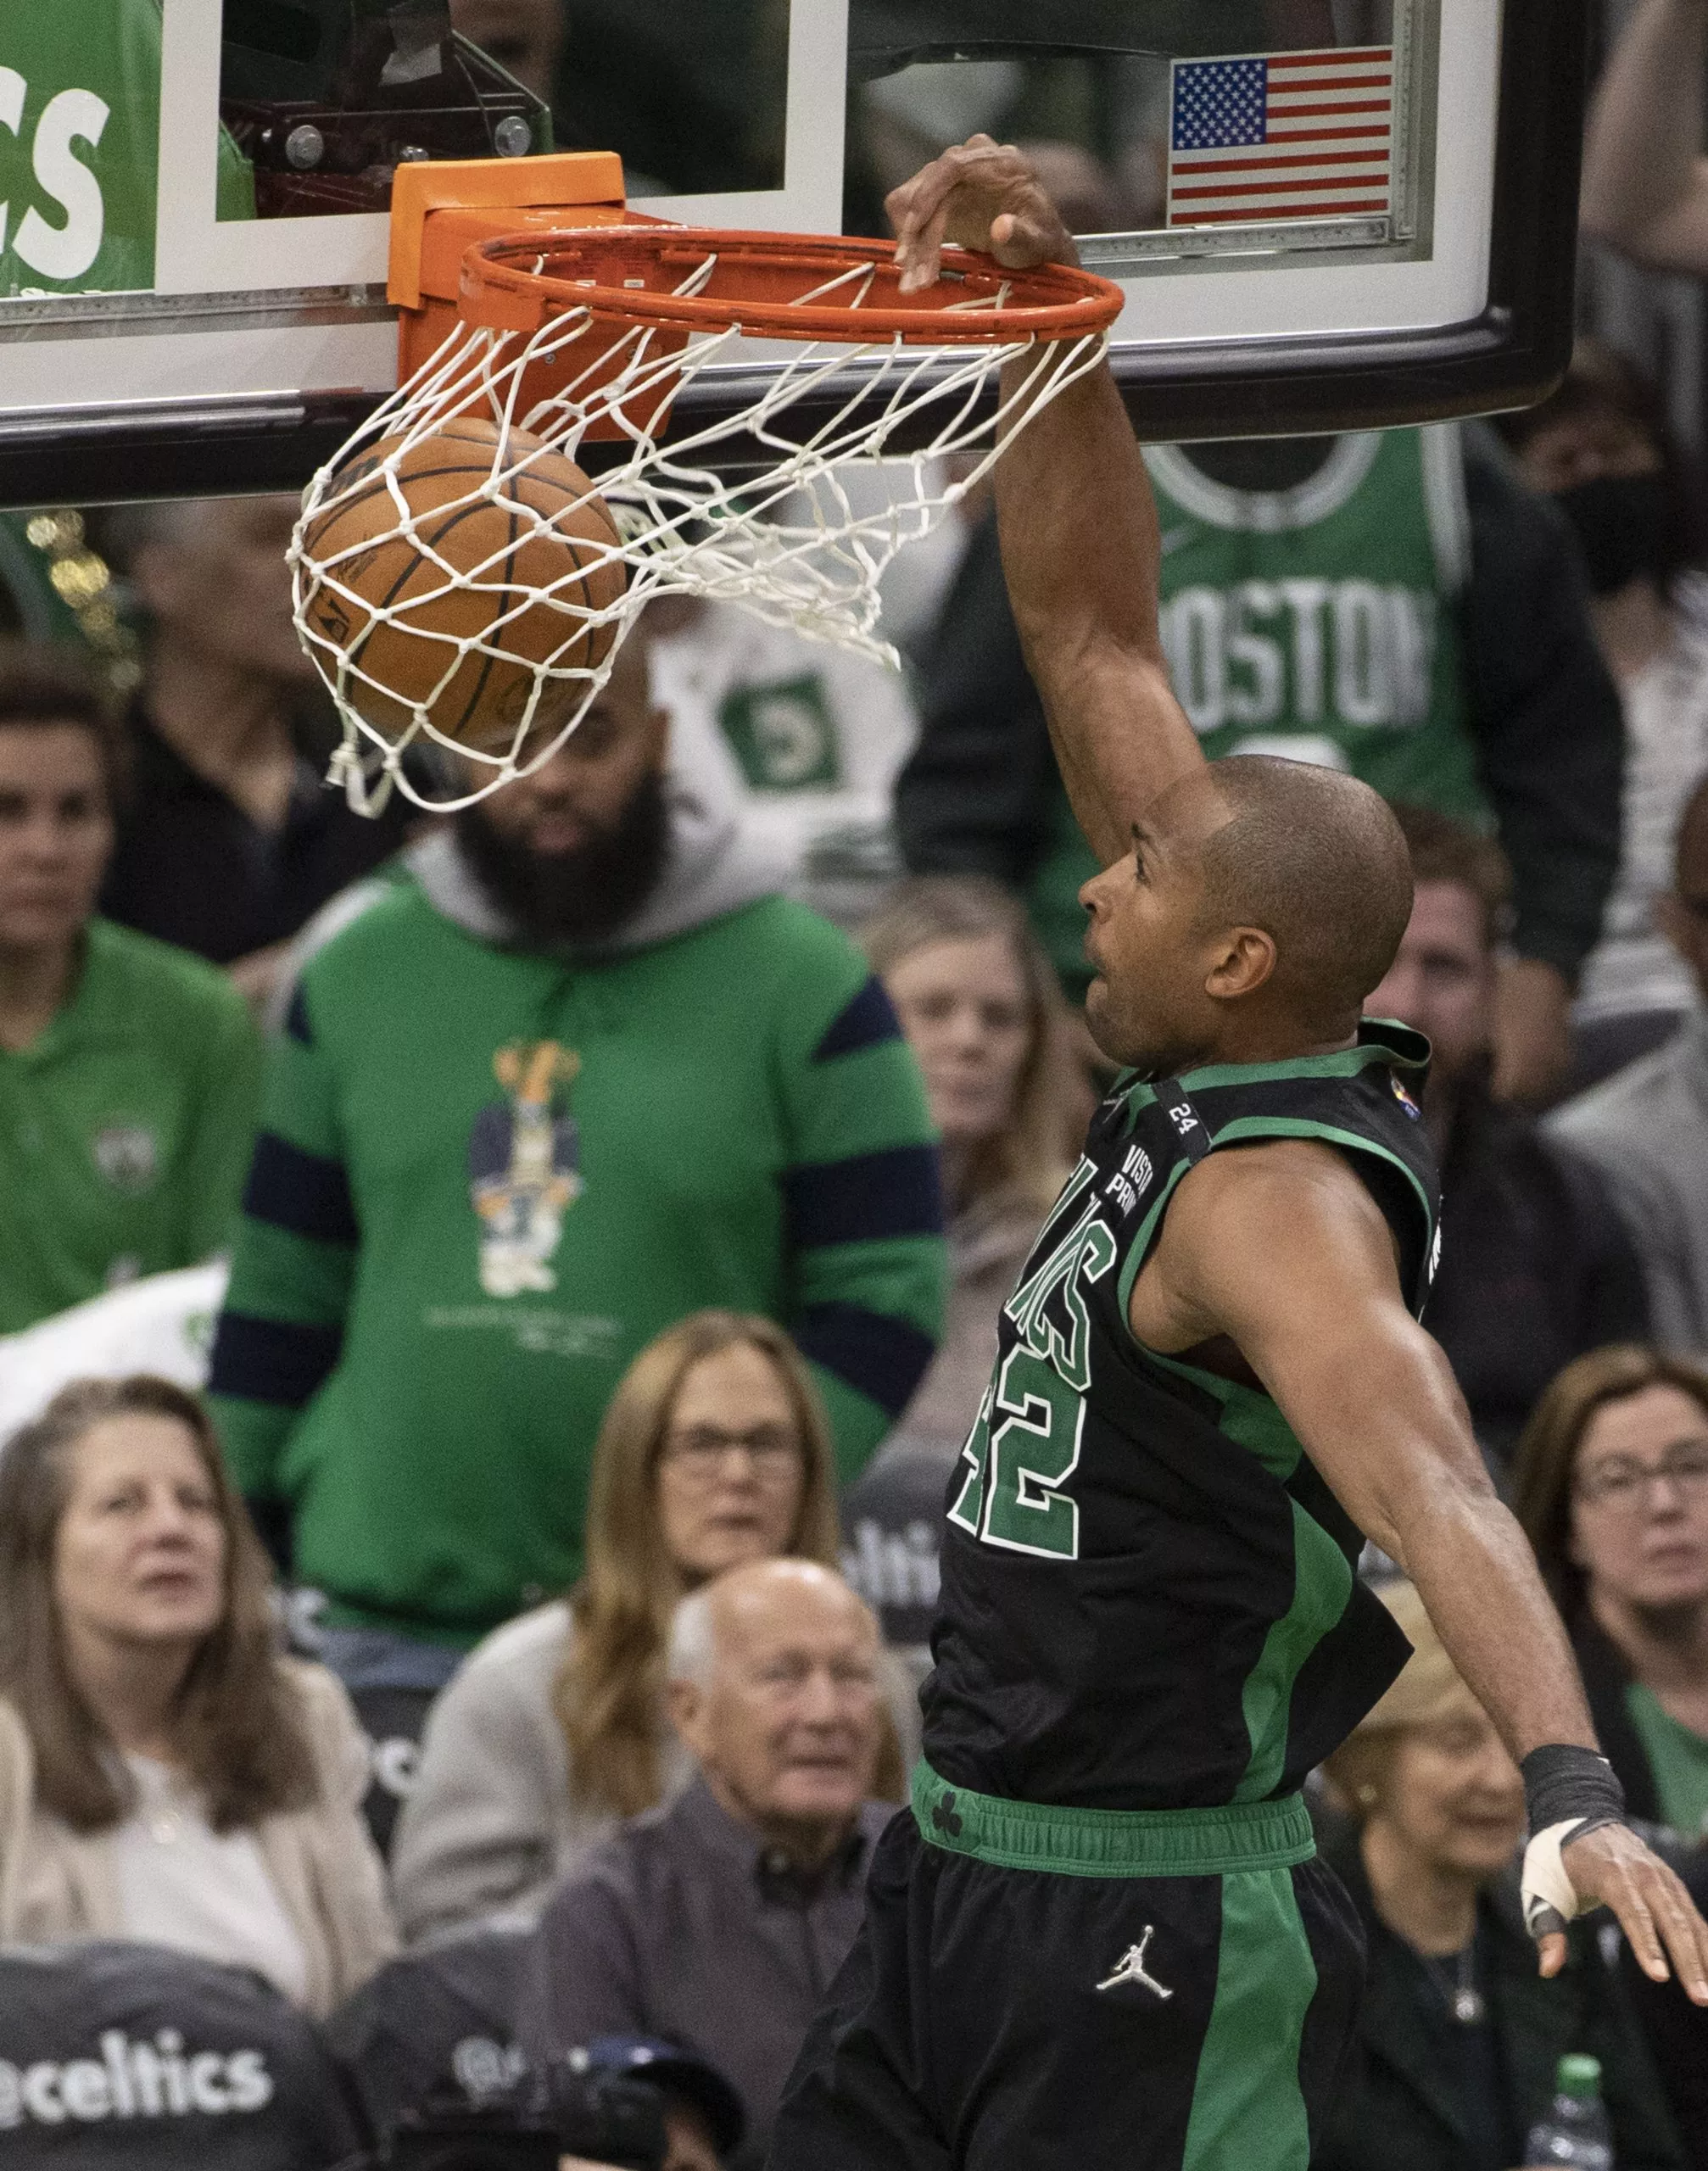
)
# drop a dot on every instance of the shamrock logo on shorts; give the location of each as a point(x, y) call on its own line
point(943, 1816)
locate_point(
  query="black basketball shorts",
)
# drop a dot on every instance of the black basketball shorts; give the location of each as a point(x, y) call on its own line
point(1045, 1990)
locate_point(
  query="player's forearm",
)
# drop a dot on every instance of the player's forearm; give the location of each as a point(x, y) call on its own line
point(1077, 518)
point(1081, 556)
point(1375, 1401)
point(1642, 161)
point(1477, 1577)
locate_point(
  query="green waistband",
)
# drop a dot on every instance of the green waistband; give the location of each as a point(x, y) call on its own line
point(1111, 1842)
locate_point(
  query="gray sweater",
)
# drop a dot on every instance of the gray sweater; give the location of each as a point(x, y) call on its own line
point(490, 1826)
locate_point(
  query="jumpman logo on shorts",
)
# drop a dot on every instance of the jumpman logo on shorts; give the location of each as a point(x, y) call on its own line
point(1130, 1967)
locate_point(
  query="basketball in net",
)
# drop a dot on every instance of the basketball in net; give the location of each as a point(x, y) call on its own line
point(461, 575)
point(457, 580)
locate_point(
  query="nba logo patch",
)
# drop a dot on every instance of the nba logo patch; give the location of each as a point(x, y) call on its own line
point(1404, 1099)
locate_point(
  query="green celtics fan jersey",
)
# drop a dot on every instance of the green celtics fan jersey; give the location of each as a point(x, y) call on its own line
point(1149, 1597)
point(124, 1127)
point(1318, 623)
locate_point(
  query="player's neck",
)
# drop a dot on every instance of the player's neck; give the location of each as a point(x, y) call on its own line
point(1268, 1040)
point(35, 985)
point(230, 725)
point(1429, 1904)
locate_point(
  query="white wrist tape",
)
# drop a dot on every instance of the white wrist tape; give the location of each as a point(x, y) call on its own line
point(1549, 1899)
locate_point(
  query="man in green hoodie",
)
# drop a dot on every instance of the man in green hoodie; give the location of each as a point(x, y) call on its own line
point(568, 1076)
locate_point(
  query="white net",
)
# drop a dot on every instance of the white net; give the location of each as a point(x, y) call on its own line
point(451, 589)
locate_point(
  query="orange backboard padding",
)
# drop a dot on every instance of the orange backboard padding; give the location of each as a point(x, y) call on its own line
point(441, 209)
point(589, 180)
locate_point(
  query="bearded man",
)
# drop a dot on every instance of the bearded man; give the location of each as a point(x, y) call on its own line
point(565, 1074)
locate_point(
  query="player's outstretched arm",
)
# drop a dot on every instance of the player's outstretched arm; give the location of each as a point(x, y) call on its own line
point(1645, 180)
point(1078, 521)
point(1281, 1248)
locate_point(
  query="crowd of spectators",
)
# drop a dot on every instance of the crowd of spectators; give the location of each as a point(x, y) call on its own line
point(588, 1214)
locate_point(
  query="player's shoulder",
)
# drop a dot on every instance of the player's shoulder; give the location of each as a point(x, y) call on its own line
point(1259, 1232)
point(1273, 1171)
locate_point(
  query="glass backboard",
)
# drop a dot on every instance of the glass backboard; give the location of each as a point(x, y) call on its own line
point(1324, 212)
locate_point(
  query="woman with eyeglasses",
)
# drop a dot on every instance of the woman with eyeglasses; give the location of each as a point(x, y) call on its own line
point(1612, 1485)
point(714, 1451)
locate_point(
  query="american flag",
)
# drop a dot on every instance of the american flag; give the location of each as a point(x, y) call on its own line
point(1281, 135)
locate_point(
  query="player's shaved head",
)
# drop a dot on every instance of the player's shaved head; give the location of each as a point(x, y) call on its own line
point(1316, 860)
point(1264, 900)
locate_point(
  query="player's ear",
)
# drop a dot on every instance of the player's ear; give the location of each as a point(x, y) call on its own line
point(1243, 961)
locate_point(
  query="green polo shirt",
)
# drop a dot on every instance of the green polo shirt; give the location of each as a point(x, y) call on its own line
point(124, 1127)
point(1678, 1759)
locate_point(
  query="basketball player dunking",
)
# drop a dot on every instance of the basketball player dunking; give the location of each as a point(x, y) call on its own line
point(1102, 1939)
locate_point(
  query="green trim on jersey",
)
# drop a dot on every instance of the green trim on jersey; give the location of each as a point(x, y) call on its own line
point(1139, 1250)
point(1335, 1062)
point(1248, 1416)
point(1339, 1063)
point(1324, 1579)
point(1123, 1843)
point(1322, 1586)
point(1248, 2107)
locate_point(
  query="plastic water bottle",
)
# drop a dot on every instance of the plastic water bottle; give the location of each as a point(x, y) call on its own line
point(1575, 2130)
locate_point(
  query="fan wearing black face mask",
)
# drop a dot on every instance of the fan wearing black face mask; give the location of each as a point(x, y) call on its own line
point(1601, 449)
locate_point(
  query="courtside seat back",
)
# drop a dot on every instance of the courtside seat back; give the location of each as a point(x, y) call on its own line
point(153, 2060)
point(438, 2022)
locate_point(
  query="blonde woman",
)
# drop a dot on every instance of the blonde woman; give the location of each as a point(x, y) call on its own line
point(979, 1002)
point(165, 1775)
point(1458, 2037)
point(714, 1452)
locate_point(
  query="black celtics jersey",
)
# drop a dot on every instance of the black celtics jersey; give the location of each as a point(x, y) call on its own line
point(1148, 1596)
